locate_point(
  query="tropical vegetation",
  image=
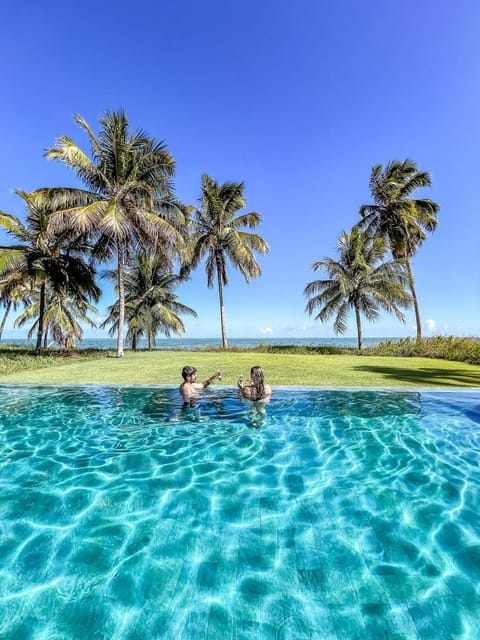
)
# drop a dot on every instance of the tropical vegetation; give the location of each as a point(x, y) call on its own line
point(359, 281)
point(151, 306)
point(218, 237)
point(127, 214)
point(453, 348)
point(12, 294)
point(397, 217)
point(63, 318)
point(129, 205)
point(43, 266)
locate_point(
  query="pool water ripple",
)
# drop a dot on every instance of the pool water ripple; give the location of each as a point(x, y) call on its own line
point(323, 514)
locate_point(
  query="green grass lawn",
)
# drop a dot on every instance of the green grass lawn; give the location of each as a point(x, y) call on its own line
point(163, 367)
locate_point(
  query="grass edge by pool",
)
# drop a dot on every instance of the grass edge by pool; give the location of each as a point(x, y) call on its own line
point(163, 367)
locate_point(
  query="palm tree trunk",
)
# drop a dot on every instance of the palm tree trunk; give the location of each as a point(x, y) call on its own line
point(121, 299)
point(4, 319)
point(411, 283)
point(134, 342)
point(150, 340)
point(45, 338)
point(222, 308)
point(41, 315)
point(359, 327)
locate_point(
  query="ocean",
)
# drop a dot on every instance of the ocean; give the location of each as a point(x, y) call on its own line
point(191, 344)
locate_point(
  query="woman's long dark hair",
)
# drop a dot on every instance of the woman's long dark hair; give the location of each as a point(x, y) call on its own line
point(258, 380)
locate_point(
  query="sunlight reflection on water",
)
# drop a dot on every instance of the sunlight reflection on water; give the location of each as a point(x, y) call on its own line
point(323, 514)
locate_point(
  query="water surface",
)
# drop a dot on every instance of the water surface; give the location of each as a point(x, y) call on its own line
point(325, 514)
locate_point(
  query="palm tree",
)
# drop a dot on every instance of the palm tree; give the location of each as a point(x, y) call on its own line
point(358, 280)
point(401, 220)
point(43, 261)
point(151, 306)
point(129, 202)
point(62, 318)
point(12, 294)
point(217, 235)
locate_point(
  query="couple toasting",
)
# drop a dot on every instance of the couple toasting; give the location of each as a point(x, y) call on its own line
point(253, 389)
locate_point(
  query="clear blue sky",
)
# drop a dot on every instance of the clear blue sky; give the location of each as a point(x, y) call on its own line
point(298, 100)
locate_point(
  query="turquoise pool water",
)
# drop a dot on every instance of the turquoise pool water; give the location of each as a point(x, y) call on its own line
point(329, 514)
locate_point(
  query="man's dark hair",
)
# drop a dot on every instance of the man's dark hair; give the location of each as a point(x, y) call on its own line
point(188, 371)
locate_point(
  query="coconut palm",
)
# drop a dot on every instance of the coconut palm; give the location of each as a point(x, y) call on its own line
point(358, 280)
point(42, 261)
point(151, 306)
point(13, 293)
point(401, 220)
point(217, 235)
point(129, 203)
point(62, 318)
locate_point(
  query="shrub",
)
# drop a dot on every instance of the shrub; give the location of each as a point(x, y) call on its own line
point(442, 347)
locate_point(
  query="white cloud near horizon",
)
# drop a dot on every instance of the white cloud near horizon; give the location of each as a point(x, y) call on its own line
point(430, 324)
point(298, 327)
point(266, 330)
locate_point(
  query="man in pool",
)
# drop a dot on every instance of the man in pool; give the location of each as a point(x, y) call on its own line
point(190, 386)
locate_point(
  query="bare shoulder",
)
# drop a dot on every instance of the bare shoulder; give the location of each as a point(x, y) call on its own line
point(186, 390)
point(268, 390)
point(247, 390)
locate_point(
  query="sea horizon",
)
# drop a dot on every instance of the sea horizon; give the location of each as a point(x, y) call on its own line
point(190, 344)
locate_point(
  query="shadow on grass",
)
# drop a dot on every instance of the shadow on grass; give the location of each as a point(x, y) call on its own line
point(427, 376)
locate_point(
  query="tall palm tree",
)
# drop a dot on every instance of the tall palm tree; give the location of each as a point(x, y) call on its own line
point(151, 306)
point(401, 220)
point(358, 280)
point(44, 261)
point(217, 235)
point(129, 202)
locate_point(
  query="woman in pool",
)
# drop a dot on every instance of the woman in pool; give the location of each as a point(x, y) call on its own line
point(255, 388)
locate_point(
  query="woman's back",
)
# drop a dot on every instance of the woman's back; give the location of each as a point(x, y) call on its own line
point(255, 389)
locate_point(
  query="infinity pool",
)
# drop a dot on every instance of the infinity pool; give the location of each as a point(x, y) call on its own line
point(325, 514)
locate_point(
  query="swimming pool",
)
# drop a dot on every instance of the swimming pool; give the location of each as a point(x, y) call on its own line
point(329, 514)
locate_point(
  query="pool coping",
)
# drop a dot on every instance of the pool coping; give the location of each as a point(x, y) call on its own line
point(442, 389)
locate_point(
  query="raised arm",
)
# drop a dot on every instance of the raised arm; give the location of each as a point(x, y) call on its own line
point(216, 376)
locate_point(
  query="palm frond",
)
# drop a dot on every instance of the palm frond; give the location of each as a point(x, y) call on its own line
point(358, 279)
point(13, 225)
point(250, 220)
